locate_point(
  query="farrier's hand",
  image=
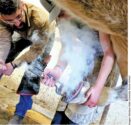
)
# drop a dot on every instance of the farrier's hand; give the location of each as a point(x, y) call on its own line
point(9, 69)
point(50, 76)
point(2, 68)
point(93, 96)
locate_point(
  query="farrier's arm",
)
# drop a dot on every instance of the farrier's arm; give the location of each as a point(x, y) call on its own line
point(5, 43)
point(107, 61)
point(35, 50)
point(42, 32)
point(94, 93)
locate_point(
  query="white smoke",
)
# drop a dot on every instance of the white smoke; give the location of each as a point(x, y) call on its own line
point(79, 45)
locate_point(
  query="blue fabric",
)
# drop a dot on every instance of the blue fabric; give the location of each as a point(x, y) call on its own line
point(25, 104)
